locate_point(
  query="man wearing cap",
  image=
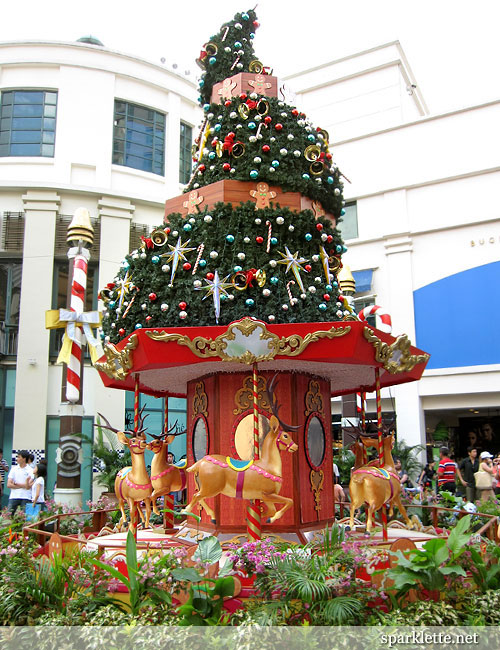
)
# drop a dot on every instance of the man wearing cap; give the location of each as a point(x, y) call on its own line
point(446, 471)
point(485, 465)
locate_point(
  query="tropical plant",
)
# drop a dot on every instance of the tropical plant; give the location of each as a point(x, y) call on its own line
point(435, 566)
point(422, 612)
point(345, 462)
point(108, 456)
point(408, 455)
point(143, 589)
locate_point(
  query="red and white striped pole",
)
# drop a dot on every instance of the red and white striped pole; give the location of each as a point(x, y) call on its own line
point(168, 499)
point(77, 304)
point(254, 525)
point(381, 460)
point(136, 404)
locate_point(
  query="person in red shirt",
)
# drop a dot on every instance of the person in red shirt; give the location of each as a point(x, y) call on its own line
point(447, 471)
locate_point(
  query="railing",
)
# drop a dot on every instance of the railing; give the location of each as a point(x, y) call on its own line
point(8, 339)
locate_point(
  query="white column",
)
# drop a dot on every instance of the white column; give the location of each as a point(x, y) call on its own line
point(40, 209)
point(115, 216)
point(398, 251)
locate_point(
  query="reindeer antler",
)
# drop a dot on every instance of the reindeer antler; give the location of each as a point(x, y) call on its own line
point(140, 431)
point(275, 407)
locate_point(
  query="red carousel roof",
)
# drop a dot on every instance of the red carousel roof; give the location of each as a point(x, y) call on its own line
point(346, 353)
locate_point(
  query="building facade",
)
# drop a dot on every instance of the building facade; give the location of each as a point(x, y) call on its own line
point(422, 225)
point(80, 126)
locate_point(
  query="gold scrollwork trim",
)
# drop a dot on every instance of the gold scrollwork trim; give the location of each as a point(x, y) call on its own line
point(267, 345)
point(244, 396)
point(314, 399)
point(118, 362)
point(396, 357)
point(317, 479)
point(200, 400)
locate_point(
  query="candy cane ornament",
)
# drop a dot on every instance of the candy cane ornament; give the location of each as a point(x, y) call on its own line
point(77, 303)
point(383, 319)
point(201, 248)
point(289, 291)
point(269, 234)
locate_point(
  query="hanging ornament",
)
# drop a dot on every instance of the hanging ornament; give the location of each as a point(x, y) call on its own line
point(289, 291)
point(123, 286)
point(216, 288)
point(325, 262)
point(294, 263)
point(200, 250)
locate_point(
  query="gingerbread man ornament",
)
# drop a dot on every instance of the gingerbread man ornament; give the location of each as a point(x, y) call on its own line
point(259, 84)
point(262, 196)
point(193, 202)
point(228, 85)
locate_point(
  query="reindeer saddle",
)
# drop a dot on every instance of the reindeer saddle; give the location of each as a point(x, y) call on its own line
point(238, 465)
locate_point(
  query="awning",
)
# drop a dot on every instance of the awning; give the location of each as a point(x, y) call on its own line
point(363, 280)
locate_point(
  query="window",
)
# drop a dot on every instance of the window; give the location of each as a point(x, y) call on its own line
point(28, 123)
point(139, 137)
point(349, 224)
point(185, 153)
point(137, 230)
point(10, 301)
point(362, 303)
point(12, 237)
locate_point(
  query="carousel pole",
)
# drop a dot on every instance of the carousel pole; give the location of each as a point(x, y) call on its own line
point(168, 499)
point(254, 526)
point(380, 446)
point(136, 429)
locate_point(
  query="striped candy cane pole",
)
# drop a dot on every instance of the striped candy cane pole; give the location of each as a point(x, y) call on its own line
point(254, 526)
point(136, 404)
point(77, 303)
point(382, 318)
point(168, 499)
point(380, 446)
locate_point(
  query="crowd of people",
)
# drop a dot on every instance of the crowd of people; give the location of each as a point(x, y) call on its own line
point(26, 482)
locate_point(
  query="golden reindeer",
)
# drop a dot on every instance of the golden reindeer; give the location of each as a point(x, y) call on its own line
point(165, 478)
point(376, 486)
point(260, 480)
point(132, 484)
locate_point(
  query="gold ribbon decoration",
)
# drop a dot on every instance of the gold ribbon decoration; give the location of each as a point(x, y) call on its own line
point(57, 318)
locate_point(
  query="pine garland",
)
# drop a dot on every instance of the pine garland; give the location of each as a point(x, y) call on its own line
point(229, 235)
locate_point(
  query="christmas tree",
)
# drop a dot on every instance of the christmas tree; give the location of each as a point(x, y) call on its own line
point(255, 257)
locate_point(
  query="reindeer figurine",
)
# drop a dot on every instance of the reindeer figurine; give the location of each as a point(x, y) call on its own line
point(165, 478)
point(376, 486)
point(132, 484)
point(261, 479)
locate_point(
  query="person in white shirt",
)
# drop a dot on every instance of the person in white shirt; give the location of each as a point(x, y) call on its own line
point(38, 486)
point(17, 482)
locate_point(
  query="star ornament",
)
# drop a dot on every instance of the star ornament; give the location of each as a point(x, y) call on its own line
point(175, 255)
point(325, 262)
point(123, 286)
point(216, 288)
point(293, 263)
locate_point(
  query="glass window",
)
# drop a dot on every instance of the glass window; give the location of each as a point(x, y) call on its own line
point(138, 138)
point(349, 224)
point(28, 123)
point(185, 153)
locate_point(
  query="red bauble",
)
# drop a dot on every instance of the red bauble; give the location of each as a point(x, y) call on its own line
point(231, 135)
point(182, 305)
point(153, 296)
point(209, 276)
point(319, 226)
point(201, 168)
point(259, 240)
point(227, 102)
point(243, 96)
point(326, 297)
point(308, 268)
point(121, 331)
point(278, 127)
point(167, 230)
point(329, 239)
point(226, 167)
point(148, 318)
point(186, 266)
point(215, 141)
point(266, 148)
point(341, 298)
point(268, 119)
point(295, 112)
point(256, 24)
point(329, 156)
